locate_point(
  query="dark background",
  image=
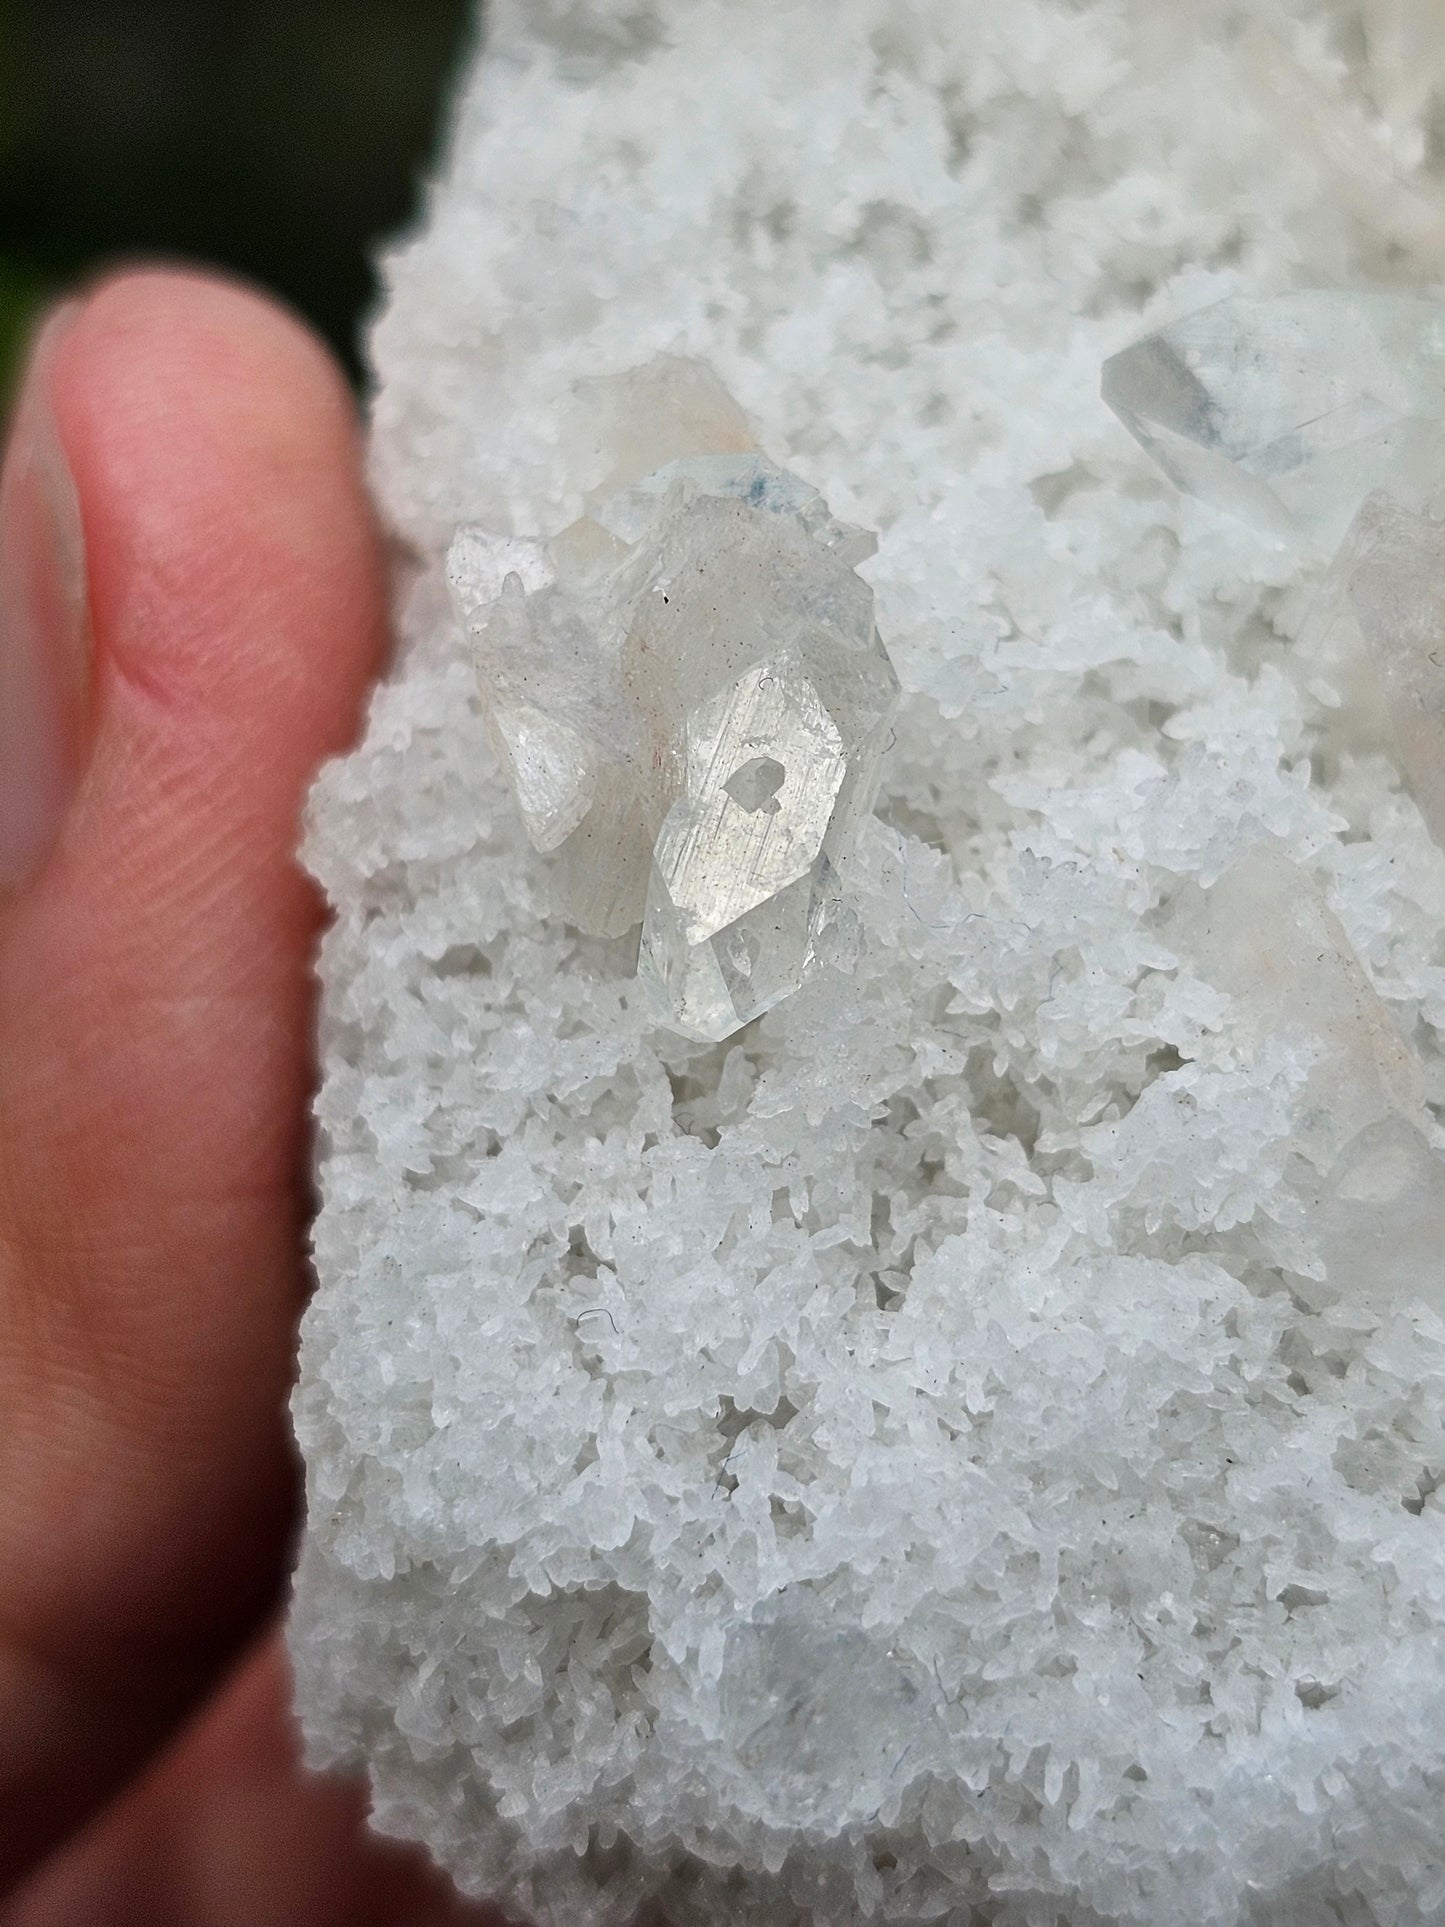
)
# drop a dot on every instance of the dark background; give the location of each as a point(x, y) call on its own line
point(279, 138)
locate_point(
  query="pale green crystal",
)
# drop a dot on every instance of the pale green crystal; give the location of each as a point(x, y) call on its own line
point(689, 693)
point(1288, 410)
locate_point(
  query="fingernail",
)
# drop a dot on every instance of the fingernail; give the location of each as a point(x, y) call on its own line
point(44, 624)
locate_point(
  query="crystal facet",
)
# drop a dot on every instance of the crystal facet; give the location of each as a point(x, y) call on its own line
point(690, 695)
point(970, 1449)
point(1374, 1187)
point(1394, 566)
point(1288, 410)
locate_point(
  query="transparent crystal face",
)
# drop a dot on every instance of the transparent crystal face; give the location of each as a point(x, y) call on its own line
point(818, 1719)
point(1288, 410)
point(1392, 578)
point(689, 693)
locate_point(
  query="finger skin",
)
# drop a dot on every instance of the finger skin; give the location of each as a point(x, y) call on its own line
point(155, 1024)
point(226, 1831)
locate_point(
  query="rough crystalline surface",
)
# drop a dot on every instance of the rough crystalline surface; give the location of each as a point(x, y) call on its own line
point(692, 702)
point(969, 1447)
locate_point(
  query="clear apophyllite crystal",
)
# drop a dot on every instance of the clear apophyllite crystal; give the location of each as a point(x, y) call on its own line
point(690, 694)
point(1288, 410)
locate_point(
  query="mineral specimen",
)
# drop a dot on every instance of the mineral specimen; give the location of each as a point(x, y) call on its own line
point(939, 1456)
point(690, 695)
point(1287, 410)
point(1290, 410)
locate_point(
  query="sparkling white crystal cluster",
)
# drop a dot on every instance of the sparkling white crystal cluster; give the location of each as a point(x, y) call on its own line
point(688, 690)
point(958, 1450)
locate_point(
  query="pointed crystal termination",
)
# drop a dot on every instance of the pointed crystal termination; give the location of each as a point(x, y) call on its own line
point(1288, 410)
point(690, 695)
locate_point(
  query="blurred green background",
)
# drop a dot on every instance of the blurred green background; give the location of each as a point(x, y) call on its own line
point(279, 138)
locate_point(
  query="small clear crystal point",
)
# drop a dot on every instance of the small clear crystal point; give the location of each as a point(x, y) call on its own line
point(689, 693)
point(1288, 410)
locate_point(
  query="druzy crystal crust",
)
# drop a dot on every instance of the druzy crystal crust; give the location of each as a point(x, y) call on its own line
point(689, 692)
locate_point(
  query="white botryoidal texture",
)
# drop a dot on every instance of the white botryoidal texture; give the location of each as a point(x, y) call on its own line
point(969, 1447)
point(689, 693)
